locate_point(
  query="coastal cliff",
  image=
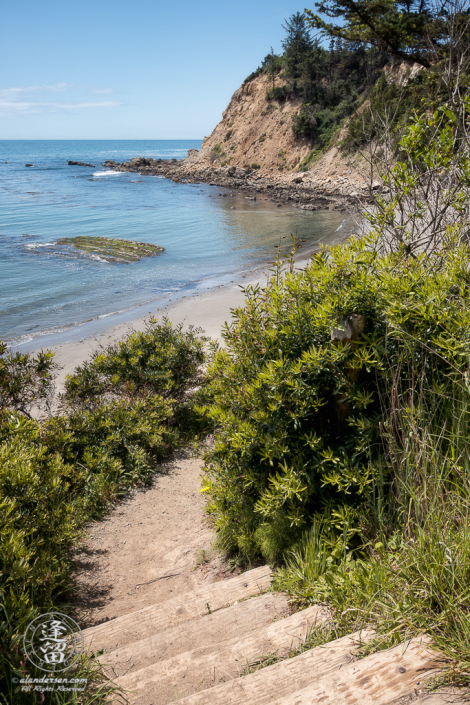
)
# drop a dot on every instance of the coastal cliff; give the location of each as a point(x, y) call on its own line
point(255, 134)
point(255, 149)
point(254, 131)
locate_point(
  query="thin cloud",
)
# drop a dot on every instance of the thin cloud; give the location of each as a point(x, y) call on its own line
point(55, 88)
point(27, 100)
point(90, 104)
point(102, 91)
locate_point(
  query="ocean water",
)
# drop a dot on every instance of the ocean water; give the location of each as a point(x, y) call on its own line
point(50, 294)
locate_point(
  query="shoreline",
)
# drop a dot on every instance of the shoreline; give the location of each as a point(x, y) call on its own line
point(294, 190)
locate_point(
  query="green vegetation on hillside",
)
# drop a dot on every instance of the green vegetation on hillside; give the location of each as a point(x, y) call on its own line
point(333, 81)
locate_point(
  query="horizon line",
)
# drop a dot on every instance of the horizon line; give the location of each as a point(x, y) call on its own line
point(98, 139)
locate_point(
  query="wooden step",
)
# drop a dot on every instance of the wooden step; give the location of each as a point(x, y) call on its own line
point(183, 608)
point(233, 622)
point(204, 667)
point(264, 686)
point(379, 679)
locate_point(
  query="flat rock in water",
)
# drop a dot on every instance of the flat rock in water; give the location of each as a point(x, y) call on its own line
point(113, 250)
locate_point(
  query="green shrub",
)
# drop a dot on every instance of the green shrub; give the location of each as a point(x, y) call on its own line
point(26, 381)
point(279, 93)
point(217, 152)
point(163, 360)
point(297, 416)
point(254, 74)
point(255, 165)
point(303, 124)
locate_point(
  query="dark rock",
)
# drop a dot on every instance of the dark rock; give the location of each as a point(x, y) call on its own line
point(72, 163)
point(29, 164)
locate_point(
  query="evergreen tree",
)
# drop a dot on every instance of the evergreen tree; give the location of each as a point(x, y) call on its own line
point(272, 64)
point(414, 30)
point(297, 45)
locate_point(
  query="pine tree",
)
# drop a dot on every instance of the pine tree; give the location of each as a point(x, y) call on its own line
point(414, 30)
point(271, 63)
point(297, 45)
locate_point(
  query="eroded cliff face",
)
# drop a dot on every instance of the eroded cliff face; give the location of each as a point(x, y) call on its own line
point(256, 134)
point(254, 131)
point(254, 149)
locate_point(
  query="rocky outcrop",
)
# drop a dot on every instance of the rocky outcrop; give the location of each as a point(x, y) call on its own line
point(255, 134)
point(72, 163)
point(254, 131)
point(295, 192)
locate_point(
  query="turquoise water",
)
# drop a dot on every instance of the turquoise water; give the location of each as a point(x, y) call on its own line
point(47, 293)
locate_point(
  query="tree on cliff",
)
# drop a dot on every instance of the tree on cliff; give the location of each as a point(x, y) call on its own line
point(298, 45)
point(413, 30)
point(272, 65)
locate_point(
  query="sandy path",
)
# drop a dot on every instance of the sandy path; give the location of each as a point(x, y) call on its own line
point(154, 532)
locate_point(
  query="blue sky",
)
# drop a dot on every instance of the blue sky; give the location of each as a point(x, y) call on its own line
point(102, 69)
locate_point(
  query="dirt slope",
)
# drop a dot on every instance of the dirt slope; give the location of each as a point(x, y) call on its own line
point(254, 130)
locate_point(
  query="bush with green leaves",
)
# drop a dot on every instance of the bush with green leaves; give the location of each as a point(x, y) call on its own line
point(298, 415)
point(278, 93)
point(410, 575)
point(163, 359)
point(26, 381)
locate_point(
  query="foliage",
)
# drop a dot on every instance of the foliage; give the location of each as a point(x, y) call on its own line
point(254, 74)
point(297, 45)
point(410, 31)
point(163, 359)
point(255, 166)
point(279, 93)
point(217, 152)
point(123, 411)
point(297, 416)
point(425, 208)
point(330, 82)
point(272, 65)
point(389, 104)
point(412, 577)
point(25, 381)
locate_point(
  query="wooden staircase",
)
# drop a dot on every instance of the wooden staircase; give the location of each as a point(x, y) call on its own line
point(194, 649)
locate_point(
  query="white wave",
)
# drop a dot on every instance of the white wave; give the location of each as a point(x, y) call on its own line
point(33, 245)
point(98, 259)
point(108, 173)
